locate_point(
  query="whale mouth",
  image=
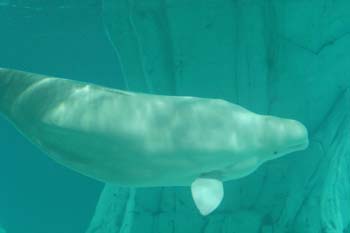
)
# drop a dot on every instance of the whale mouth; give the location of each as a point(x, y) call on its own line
point(298, 146)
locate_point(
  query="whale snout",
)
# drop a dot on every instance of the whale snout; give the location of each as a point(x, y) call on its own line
point(298, 136)
point(284, 136)
point(294, 137)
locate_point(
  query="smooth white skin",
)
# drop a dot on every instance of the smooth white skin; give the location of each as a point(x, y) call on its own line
point(143, 140)
point(207, 194)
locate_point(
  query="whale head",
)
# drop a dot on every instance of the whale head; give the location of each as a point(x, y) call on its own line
point(279, 136)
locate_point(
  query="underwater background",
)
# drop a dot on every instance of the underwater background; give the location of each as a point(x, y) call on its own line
point(285, 58)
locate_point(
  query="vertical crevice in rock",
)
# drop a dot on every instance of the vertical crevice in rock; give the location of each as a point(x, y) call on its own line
point(152, 26)
point(141, 35)
point(251, 52)
point(139, 43)
point(271, 44)
point(114, 211)
point(235, 41)
point(121, 32)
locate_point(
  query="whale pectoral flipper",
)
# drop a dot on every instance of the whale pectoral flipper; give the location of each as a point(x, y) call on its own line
point(207, 194)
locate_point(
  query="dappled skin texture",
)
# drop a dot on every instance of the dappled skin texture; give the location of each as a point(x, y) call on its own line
point(136, 139)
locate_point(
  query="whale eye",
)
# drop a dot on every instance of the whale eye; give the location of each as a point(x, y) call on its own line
point(275, 152)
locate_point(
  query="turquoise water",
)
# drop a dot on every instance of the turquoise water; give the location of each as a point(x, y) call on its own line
point(36, 194)
point(284, 58)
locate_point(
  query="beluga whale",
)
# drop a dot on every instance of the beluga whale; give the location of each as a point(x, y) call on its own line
point(144, 140)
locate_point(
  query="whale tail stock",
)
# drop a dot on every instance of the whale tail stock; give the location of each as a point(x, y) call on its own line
point(12, 84)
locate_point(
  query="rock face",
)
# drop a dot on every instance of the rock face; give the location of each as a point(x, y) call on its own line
point(286, 58)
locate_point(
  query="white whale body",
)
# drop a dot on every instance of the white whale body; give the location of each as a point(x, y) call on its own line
point(143, 140)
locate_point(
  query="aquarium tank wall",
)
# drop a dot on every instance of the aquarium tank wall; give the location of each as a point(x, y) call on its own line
point(283, 58)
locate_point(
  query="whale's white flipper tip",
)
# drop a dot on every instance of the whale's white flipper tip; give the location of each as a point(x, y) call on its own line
point(207, 194)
